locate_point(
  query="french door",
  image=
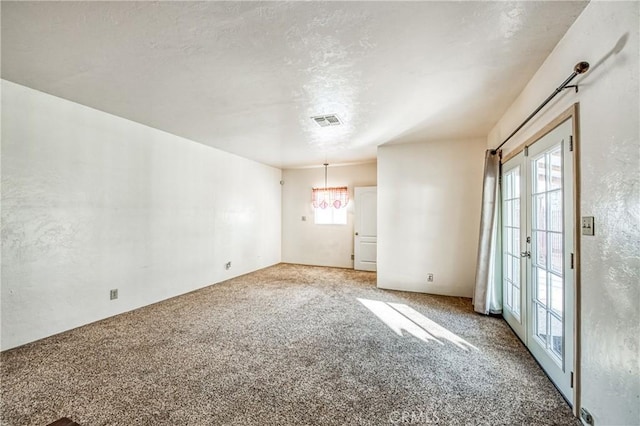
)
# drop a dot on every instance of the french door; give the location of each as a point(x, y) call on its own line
point(537, 252)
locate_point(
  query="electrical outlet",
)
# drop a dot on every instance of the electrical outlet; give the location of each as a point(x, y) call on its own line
point(227, 265)
point(113, 294)
point(586, 416)
point(429, 278)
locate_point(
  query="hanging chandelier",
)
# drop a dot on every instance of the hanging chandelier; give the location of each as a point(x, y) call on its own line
point(336, 197)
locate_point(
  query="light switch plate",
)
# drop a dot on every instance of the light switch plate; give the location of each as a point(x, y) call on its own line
point(587, 225)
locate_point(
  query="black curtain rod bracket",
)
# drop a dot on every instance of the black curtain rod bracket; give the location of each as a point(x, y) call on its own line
point(579, 68)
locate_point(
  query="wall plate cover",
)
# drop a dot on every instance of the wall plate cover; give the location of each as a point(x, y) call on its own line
point(588, 225)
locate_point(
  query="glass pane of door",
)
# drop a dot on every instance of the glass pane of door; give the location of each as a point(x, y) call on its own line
point(513, 263)
point(511, 256)
point(547, 250)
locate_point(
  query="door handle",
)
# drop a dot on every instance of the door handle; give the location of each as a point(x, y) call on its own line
point(356, 233)
point(525, 254)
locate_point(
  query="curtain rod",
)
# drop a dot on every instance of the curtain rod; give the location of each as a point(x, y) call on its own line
point(580, 68)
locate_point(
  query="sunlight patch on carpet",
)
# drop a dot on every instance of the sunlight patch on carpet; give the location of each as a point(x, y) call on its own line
point(400, 317)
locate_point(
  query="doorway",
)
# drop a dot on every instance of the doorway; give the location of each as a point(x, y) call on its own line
point(538, 248)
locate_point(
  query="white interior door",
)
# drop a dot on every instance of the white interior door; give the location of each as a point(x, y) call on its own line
point(365, 227)
point(538, 242)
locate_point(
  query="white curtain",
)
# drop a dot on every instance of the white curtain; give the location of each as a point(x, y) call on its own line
point(487, 298)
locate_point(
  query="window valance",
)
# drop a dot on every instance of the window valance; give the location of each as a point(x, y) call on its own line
point(337, 197)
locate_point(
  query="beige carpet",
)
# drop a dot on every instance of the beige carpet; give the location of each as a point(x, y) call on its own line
point(285, 345)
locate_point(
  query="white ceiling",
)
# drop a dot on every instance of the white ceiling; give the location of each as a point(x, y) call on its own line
point(246, 77)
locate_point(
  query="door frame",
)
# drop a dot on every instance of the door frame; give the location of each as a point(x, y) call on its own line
point(571, 113)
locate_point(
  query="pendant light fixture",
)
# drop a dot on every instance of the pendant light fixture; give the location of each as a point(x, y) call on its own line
point(330, 197)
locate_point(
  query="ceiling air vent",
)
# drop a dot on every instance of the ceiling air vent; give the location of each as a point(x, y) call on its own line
point(327, 120)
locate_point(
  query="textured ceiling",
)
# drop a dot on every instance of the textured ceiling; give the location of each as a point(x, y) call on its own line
point(246, 77)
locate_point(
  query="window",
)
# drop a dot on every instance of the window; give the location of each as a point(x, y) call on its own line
point(330, 205)
point(330, 216)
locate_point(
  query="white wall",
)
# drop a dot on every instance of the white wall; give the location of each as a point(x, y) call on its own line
point(606, 35)
point(305, 242)
point(92, 202)
point(429, 197)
